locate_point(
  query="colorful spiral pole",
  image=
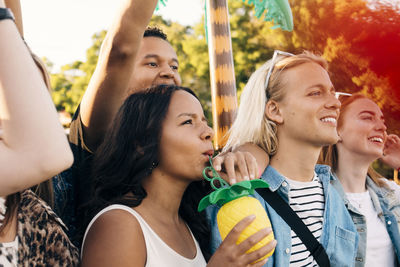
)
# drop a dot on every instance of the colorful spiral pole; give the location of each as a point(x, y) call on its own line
point(222, 72)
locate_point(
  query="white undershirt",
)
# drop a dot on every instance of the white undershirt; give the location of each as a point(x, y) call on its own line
point(9, 253)
point(380, 251)
point(8, 250)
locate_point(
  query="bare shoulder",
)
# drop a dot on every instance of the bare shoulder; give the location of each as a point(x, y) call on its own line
point(114, 239)
point(250, 147)
point(260, 154)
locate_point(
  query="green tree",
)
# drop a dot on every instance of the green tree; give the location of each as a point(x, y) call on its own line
point(359, 38)
point(71, 82)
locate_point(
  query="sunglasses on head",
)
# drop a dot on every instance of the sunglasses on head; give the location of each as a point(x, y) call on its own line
point(273, 63)
point(274, 60)
point(341, 95)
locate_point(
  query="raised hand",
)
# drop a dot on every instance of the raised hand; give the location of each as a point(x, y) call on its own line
point(391, 152)
point(23, 91)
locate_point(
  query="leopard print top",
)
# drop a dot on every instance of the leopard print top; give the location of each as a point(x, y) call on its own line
point(41, 235)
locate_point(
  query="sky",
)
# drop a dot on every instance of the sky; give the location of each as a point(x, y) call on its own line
point(61, 30)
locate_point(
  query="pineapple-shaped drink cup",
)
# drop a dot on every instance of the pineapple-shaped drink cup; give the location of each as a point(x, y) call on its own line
point(235, 205)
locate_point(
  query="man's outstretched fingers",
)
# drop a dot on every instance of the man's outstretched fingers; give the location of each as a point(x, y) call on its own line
point(241, 163)
point(252, 165)
point(217, 162)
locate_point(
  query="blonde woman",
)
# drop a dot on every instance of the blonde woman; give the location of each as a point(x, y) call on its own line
point(289, 110)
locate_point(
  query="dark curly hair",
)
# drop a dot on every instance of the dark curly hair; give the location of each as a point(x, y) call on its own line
point(129, 153)
point(154, 31)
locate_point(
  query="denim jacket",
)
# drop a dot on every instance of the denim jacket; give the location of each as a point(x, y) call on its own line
point(339, 234)
point(388, 209)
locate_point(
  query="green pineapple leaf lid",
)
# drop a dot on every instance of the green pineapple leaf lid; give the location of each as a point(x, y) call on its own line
point(223, 193)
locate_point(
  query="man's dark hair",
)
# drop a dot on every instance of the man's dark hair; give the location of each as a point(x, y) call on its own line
point(154, 31)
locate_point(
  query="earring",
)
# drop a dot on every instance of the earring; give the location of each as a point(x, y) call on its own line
point(153, 166)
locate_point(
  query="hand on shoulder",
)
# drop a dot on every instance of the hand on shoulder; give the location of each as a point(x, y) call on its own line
point(246, 162)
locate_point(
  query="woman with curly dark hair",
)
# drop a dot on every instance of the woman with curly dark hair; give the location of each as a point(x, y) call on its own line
point(147, 185)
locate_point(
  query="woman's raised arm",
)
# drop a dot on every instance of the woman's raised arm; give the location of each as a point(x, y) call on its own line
point(33, 145)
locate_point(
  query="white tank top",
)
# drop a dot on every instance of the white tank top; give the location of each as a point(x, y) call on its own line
point(158, 252)
point(8, 250)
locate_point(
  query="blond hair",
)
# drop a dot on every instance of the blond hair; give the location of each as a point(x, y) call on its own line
point(251, 124)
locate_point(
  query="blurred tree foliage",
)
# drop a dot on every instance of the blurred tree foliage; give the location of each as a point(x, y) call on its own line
point(70, 83)
point(359, 38)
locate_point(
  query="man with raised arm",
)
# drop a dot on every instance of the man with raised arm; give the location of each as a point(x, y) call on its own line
point(127, 63)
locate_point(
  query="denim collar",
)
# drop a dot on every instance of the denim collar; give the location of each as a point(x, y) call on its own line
point(377, 189)
point(376, 193)
point(383, 195)
point(339, 188)
point(275, 179)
